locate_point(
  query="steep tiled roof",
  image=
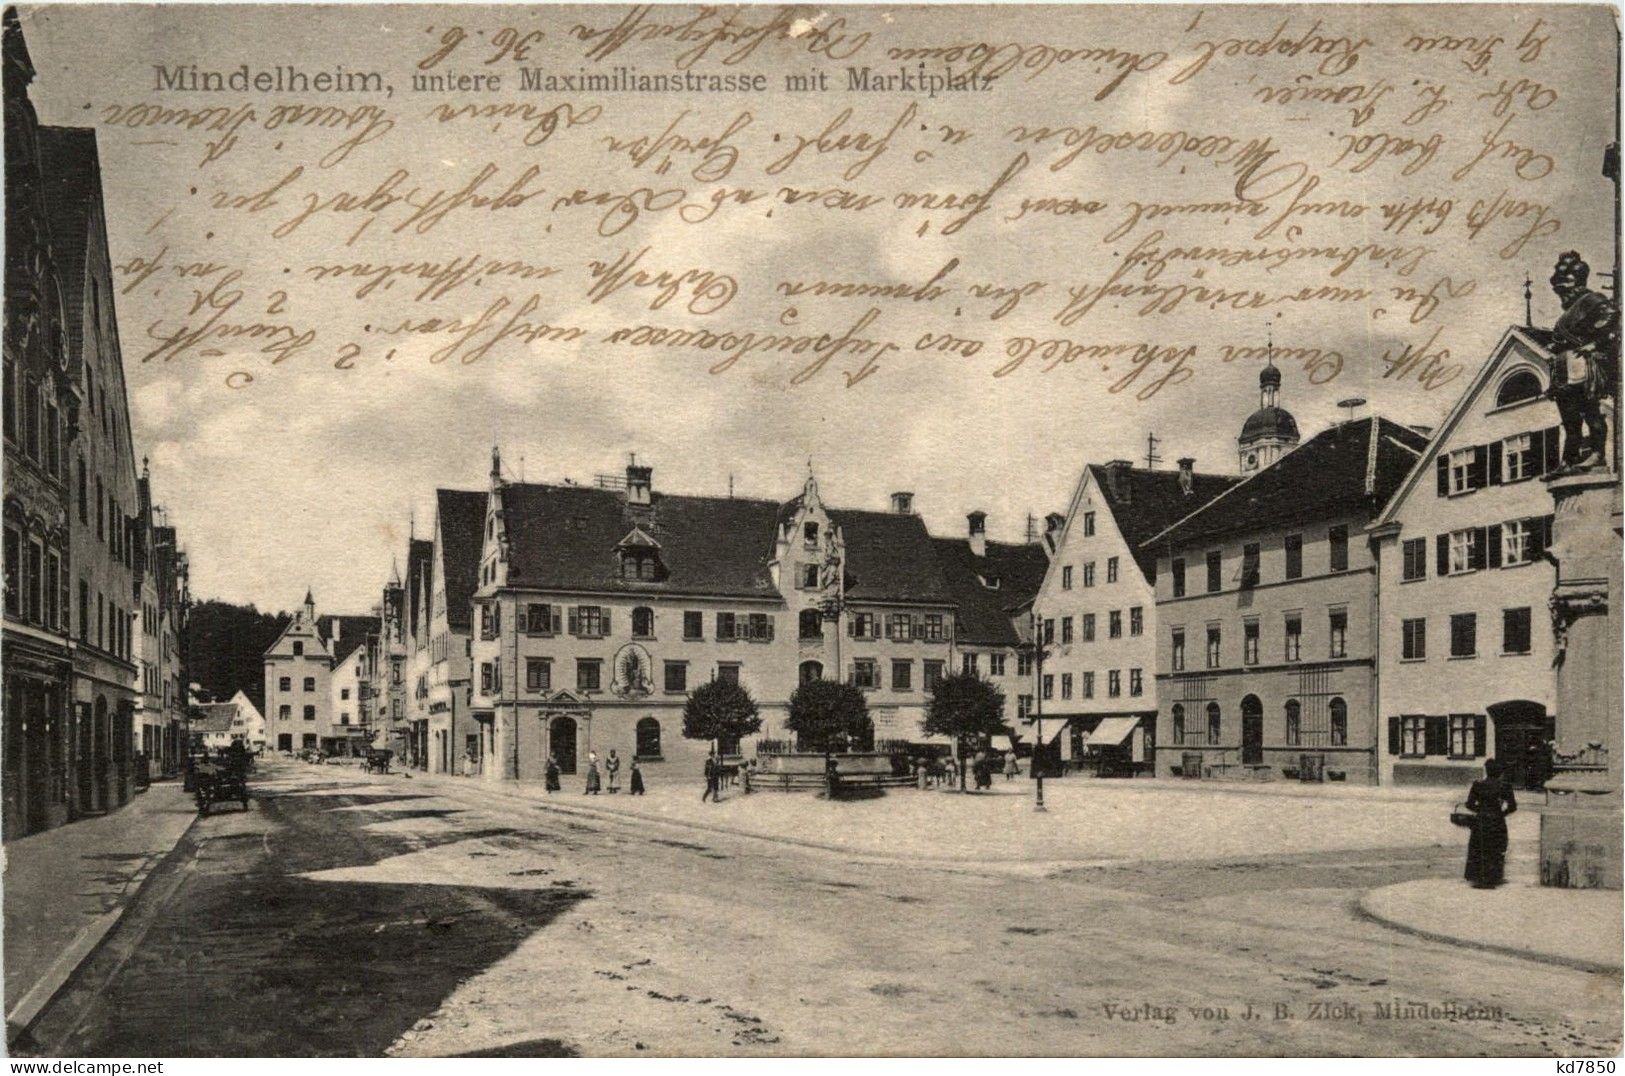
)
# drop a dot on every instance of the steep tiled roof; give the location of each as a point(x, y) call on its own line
point(1335, 473)
point(345, 634)
point(1145, 502)
point(889, 557)
point(72, 172)
point(563, 538)
point(462, 534)
point(984, 611)
point(215, 717)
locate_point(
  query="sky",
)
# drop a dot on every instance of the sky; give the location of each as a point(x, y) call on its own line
point(312, 476)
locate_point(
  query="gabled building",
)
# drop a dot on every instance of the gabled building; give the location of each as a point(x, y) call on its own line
point(386, 709)
point(992, 585)
point(1266, 605)
point(105, 585)
point(1096, 609)
point(313, 676)
point(1465, 642)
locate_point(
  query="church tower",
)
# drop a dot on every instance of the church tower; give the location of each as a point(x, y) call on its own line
point(1270, 432)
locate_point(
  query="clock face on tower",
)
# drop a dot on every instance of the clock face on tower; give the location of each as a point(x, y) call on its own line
point(631, 674)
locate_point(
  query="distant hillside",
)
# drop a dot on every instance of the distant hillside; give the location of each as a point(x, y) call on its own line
point(226, 644)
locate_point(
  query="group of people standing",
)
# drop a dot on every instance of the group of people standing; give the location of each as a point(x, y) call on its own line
point(596, 779)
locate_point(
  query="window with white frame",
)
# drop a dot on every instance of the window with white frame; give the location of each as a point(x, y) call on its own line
point(1213, 647)
point(1461, 551)
point(1518, 458)
point(1413, 735)
point(1111, 569)
point(1178, 650)
point(995, 664)
point(1089, 574)
point(1088, 685)
point(1338, 632)
point(1461, 470)
point(1136, 682)
point(1249, 642)
point(1463, 735)
point(1066, 577)
point(1066, 685)
point(1415, 558)
point(1114, 683)
point(865, 673)
point(1517, 545)
point(1294, 636)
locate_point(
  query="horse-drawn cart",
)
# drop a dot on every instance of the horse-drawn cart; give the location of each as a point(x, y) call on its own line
point(218, 783)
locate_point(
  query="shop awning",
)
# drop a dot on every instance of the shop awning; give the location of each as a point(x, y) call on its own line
point(1112, 731)
point(1002, 743)
point(1053, 727)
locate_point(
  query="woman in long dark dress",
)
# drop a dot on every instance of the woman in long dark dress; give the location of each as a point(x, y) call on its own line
point(552, 774)
point(1491, 801)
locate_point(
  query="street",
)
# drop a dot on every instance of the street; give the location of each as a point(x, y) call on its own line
point(361, 916)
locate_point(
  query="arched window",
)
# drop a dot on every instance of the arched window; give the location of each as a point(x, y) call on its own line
point(810, 671)
point(812, 624)
point(1340, 723)
point(648, 738)
point(643, 622)
point(1178, 717)
point(1294, 723)
point(1212, 723)
point(1519, 386)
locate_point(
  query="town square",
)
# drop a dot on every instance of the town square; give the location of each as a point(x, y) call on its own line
point(518, 609)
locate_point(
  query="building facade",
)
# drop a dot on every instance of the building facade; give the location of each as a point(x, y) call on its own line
point(314, 674)
point(1096, 610)
point(418, 598)
point(1266, 605)
point(41, 408)
point(1465, 648)
point(455, 743)
point(600, 608)
point(106, 584)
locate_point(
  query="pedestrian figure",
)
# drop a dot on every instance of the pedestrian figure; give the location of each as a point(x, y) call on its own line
point(950, 771)
point(745, 768)
point(612, 767)
point(1491, 801)
point(919, 773)
point(636, 788)
point(1012, 769)
point(832, 777)
point(552, 774)
point(593, 784)
point(713, 772)
point(983, 771)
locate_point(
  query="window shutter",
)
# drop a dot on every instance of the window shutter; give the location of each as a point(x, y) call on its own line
point(720, 622)
point(575, 620)
point(1444, 554)
point(1475, 548)
point(1495, 463)
point(556, 620)
point(1444, 475)
point(1478, 470)
point(1545, 531)
point(1492, 543)
point(1478, 735)
point(1437, 735)
point(1393, 735)
point(1551, 446)
point(851, 626)
point(770, 627)
point(604, 622)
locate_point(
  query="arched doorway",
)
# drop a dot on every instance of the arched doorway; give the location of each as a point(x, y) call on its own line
point(811, 670)
point(561, 743)
point(1252, 731)
point(1523, 732)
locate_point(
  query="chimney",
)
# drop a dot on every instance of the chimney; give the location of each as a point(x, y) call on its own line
point(902, 503)
point(639, 483)
point(978, 533)
point(1115, 470)
point(1187, 475)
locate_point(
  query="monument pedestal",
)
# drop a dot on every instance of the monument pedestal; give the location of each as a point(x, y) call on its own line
point(1581, 829)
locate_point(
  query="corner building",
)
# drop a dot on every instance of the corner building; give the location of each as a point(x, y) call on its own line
point(1266, 606)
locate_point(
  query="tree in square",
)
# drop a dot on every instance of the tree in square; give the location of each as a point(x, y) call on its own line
point(829, 716)
point(720, 711)
point(965, 708)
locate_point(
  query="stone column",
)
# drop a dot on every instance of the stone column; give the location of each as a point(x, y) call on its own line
point(1580, 830)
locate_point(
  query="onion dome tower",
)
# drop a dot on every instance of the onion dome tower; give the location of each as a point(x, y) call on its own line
point(1270, 432)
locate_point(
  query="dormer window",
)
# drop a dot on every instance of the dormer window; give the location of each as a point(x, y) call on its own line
point(640, 565)
point(298, 650)
point(1519, 386)
point(809, 533)
point(991, 582)
point(640, 557)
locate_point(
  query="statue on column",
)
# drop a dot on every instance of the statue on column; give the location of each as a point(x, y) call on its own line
point(1584, 363)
